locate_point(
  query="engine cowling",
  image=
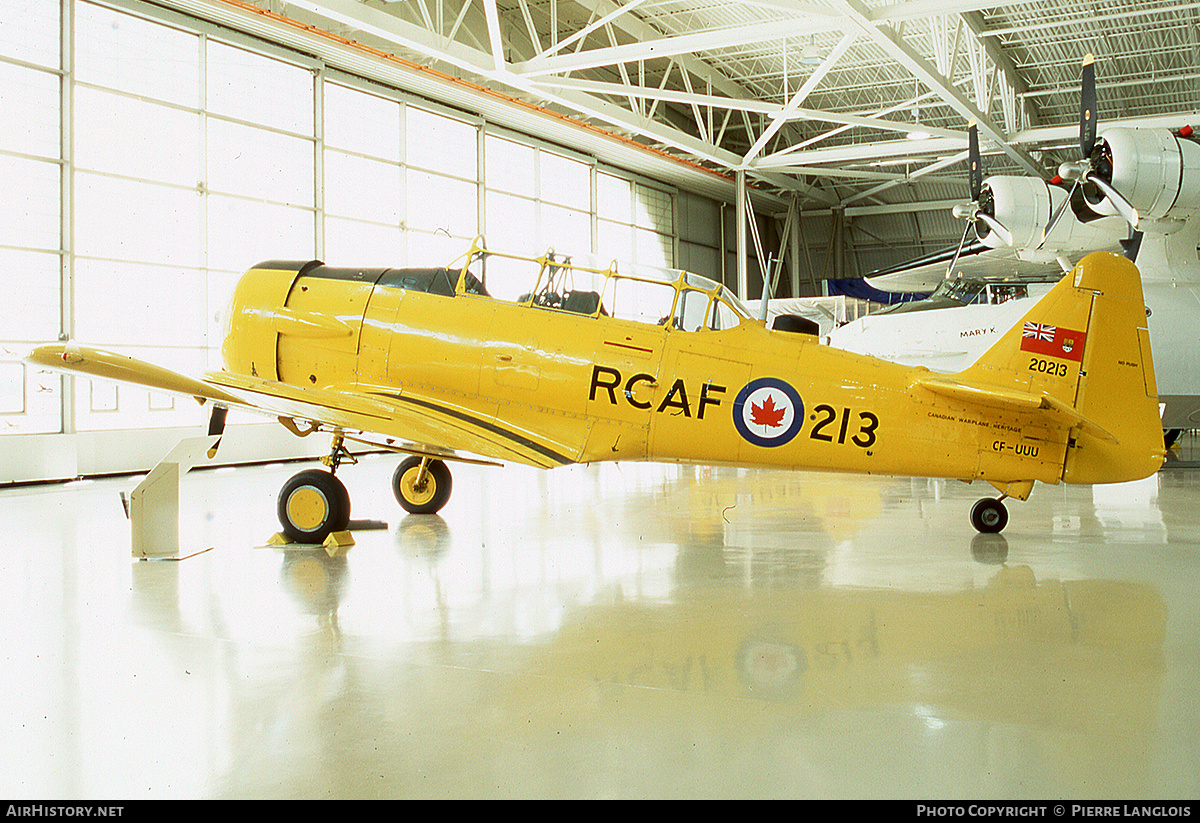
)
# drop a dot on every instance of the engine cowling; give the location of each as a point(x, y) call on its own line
point(1156, 171)
point(1025, 205)
point(251, 334)
point(1022, 205)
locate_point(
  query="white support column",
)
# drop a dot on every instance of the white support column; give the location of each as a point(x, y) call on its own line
point(793, 242)
point(743, 272)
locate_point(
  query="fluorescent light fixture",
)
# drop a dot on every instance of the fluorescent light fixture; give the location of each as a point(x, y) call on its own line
point(811, 54)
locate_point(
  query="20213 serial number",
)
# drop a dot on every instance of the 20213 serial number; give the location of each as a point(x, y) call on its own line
point(1043, 366)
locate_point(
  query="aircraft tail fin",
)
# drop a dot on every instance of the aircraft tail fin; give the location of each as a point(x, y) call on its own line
point(1084, 349)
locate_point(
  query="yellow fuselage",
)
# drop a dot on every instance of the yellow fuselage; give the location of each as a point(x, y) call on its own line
point(564, 387)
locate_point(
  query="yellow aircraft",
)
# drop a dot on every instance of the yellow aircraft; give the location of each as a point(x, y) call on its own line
point(548, 361)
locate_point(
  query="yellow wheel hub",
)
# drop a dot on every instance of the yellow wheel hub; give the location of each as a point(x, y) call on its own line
point(307, 508)
point(413, 494)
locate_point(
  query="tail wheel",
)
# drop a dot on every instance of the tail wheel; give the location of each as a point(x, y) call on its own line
point(989, 516)
point(421, 495)
point(312, 505)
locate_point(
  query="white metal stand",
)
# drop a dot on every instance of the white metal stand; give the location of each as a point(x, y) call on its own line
point(154, 504)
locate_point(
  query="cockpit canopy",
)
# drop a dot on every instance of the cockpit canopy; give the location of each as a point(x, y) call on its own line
point(582, 285)
point(962, 291)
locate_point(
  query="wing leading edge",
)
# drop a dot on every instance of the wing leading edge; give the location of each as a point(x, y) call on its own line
point(425, 424)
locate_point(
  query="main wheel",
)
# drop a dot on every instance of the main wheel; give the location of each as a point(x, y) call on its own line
point(989, 516)
point(427, 496)
point(313, 504)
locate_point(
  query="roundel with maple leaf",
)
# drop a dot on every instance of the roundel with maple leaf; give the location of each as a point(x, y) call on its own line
point(768, 412)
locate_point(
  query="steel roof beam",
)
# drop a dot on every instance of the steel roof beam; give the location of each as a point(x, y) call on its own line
point(667, 47)
point(904, 54)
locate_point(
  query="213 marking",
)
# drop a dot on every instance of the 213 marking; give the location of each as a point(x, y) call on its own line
point(864, 439)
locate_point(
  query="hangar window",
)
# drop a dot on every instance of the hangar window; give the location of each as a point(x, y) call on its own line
point(565, 181)
point(30, 213)
point(363, 178)
point(442, 144)
point(257, 89)
point(12, 388)
point(511, 166)
point(29, 32)
point(361, 123)
point(535, 193)
point(29, 111)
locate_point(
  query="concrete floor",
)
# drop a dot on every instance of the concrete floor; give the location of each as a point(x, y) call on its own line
point(612, 631)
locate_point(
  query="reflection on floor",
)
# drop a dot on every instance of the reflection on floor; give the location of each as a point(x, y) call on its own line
point(612, 631)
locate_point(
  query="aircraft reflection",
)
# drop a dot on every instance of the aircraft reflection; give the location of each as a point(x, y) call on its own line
point(1069, 673)
point(989, 549)
point(316, 582)
point(422, 536)
point(707, 643)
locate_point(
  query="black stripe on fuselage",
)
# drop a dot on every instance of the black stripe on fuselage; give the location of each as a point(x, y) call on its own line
point(347, 275)
point(518, 439)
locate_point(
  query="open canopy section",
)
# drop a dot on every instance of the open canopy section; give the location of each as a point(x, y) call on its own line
point(582, 284)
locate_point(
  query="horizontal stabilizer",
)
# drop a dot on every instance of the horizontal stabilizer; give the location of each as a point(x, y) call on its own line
point(1013, 400)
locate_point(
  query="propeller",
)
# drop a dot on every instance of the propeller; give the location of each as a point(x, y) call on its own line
point(981, 207)
point(1095, 163)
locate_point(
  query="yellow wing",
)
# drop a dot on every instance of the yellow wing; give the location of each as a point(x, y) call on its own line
point(426, 424)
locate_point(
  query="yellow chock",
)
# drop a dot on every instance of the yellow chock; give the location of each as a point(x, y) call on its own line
point(278, 540)
point(338, 543)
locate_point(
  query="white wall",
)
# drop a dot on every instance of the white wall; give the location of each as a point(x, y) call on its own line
point(37, 457)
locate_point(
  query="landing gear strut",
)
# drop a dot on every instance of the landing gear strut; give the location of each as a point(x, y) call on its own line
point(314, 503)
point(989, 515)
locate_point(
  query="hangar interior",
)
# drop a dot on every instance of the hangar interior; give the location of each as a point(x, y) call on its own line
point(593, 631)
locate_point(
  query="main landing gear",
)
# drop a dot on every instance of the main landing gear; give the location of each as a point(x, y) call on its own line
point(421, 485)
point(314, 503)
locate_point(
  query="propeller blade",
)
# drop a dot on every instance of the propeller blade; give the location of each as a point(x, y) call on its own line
point(1062, 207)
point(1122, 206)
point(216, 426)
point(976, 162)
point(992, 223)
point(957, 252)
point(1087, 108)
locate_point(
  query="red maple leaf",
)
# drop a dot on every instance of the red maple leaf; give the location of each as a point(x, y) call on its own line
point(767, 414)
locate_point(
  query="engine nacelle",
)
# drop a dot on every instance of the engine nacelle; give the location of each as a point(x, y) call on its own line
point(1156, 171)
point(1025, 205)
point(1022, 205)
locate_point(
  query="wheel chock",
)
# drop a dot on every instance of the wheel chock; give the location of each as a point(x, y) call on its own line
point(338, 543)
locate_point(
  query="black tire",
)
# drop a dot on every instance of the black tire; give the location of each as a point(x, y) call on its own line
point(312, 505)
point(989, 516)
point(431, 496)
